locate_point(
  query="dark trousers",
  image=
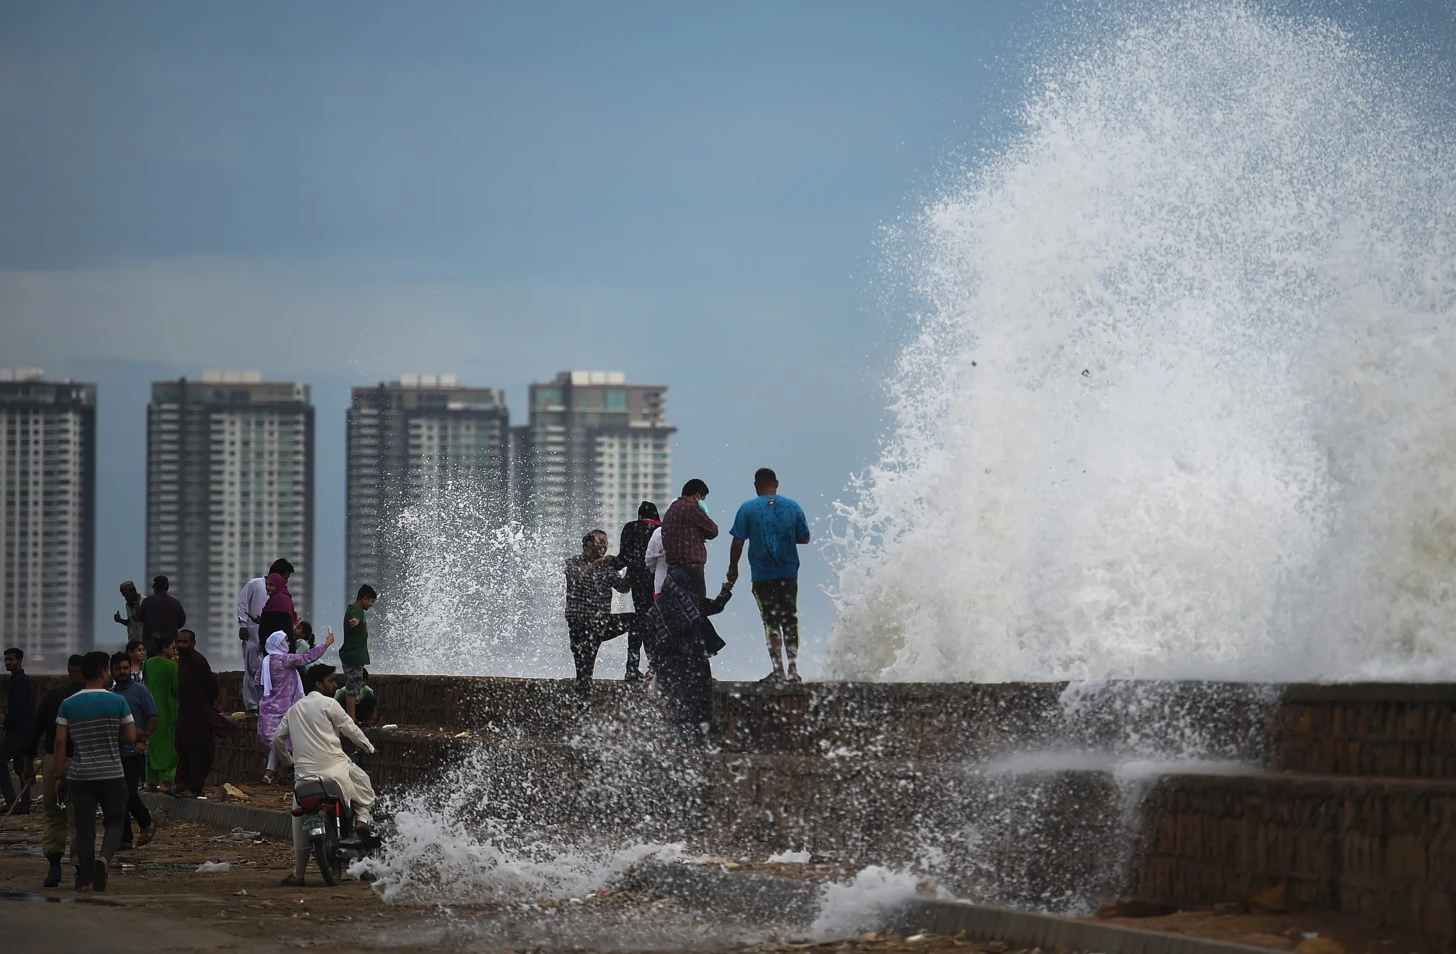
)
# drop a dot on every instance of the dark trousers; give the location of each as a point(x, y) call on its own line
point(691, 579)
point(134, 766)
point(587, 635)
point(778, 605)
point(196, 750)
point(642, 600)
point(686, 678)
point(12, 754)
point(110, 794)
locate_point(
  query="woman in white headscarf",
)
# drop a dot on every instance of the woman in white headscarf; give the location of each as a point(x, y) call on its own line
point(282, 687)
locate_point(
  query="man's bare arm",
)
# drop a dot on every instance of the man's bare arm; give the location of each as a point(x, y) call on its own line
point(735, 553)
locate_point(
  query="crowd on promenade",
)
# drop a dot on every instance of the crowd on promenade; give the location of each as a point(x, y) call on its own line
point(147, 717)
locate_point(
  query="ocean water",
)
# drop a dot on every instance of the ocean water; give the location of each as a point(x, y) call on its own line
point(1179, 397)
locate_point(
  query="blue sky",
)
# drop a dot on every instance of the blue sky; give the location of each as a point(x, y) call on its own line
point(342, 192)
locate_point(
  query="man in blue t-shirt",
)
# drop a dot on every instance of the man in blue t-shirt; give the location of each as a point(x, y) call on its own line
point(134, 756)
point(775, 528)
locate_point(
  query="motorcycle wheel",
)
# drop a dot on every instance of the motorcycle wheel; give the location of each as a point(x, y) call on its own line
point(326, 852)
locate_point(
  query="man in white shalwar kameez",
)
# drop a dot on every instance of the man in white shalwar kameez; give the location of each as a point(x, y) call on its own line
point(316, 725)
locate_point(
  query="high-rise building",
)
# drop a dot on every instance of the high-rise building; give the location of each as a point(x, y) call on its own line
point(229, 490)
point(595, 447)
point(48, 504)
point(406, 439)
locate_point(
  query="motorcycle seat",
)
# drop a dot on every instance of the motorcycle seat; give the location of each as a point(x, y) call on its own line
point(312, 788)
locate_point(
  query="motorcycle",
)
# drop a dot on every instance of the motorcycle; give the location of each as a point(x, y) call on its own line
point(328, 822)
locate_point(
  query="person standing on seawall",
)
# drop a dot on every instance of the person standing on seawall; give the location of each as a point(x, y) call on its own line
point(632, 555)
point(278, 612)
point(133, 620)
point(251, 601)
point(775, 528)
point(161, 615)
point(354, 654)
point(686, 530)
point(591, 577)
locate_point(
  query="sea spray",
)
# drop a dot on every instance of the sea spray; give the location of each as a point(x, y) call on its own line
point(463, 839)
point(866, 903)
point(475, 591)
point(1180, 402)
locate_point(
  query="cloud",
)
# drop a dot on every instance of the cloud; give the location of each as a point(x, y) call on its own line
point(212, 312)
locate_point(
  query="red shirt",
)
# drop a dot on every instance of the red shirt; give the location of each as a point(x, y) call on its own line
point(686, 530)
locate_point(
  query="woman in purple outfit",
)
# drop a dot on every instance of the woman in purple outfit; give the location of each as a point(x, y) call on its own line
point(282, 687)
point(278, 612)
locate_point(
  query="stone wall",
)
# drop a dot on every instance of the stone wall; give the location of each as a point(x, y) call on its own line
point(1405, 731)
point(1380, 849)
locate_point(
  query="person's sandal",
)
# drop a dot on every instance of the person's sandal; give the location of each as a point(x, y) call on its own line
point(293, 881)
point(146, 835)
point(270, 777)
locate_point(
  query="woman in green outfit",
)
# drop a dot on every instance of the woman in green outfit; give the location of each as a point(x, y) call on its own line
point(160, 673)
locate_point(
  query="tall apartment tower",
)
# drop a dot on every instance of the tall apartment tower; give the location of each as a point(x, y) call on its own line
point(407, 438)
point(48, 505)
point(595, 447)
point(229, 490)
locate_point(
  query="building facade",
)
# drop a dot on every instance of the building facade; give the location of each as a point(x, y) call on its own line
point(47, 517)
point(230, 471)
point(594, 448)
point(409, 438)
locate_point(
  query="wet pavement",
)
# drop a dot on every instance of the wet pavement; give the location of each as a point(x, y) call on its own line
point(159, 901)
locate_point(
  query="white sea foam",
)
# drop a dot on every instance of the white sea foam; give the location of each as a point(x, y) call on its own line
point(863, 904)
point(1181, 398)
point(790, 857)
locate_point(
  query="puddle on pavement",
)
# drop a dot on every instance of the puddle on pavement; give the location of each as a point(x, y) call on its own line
point(8, 895)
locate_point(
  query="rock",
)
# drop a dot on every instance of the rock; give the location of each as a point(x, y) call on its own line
point(231, 793)
point(1320, 945)
point(1266, 940)
point(1230, 908)
point(1273, 900)
point(1135, 908)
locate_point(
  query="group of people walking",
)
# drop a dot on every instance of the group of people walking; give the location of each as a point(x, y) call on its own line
point(118, 723)
point(661, 561)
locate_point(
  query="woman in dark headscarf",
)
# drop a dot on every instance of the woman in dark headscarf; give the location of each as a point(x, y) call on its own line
point(683, 641)
point(278, 614)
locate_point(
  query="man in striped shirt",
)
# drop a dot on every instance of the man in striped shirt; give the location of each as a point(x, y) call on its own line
point(90, 727)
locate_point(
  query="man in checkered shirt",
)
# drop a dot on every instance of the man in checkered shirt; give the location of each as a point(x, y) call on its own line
point(591, 577)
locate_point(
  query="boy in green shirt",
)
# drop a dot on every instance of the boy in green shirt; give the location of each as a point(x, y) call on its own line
point(355, 652)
